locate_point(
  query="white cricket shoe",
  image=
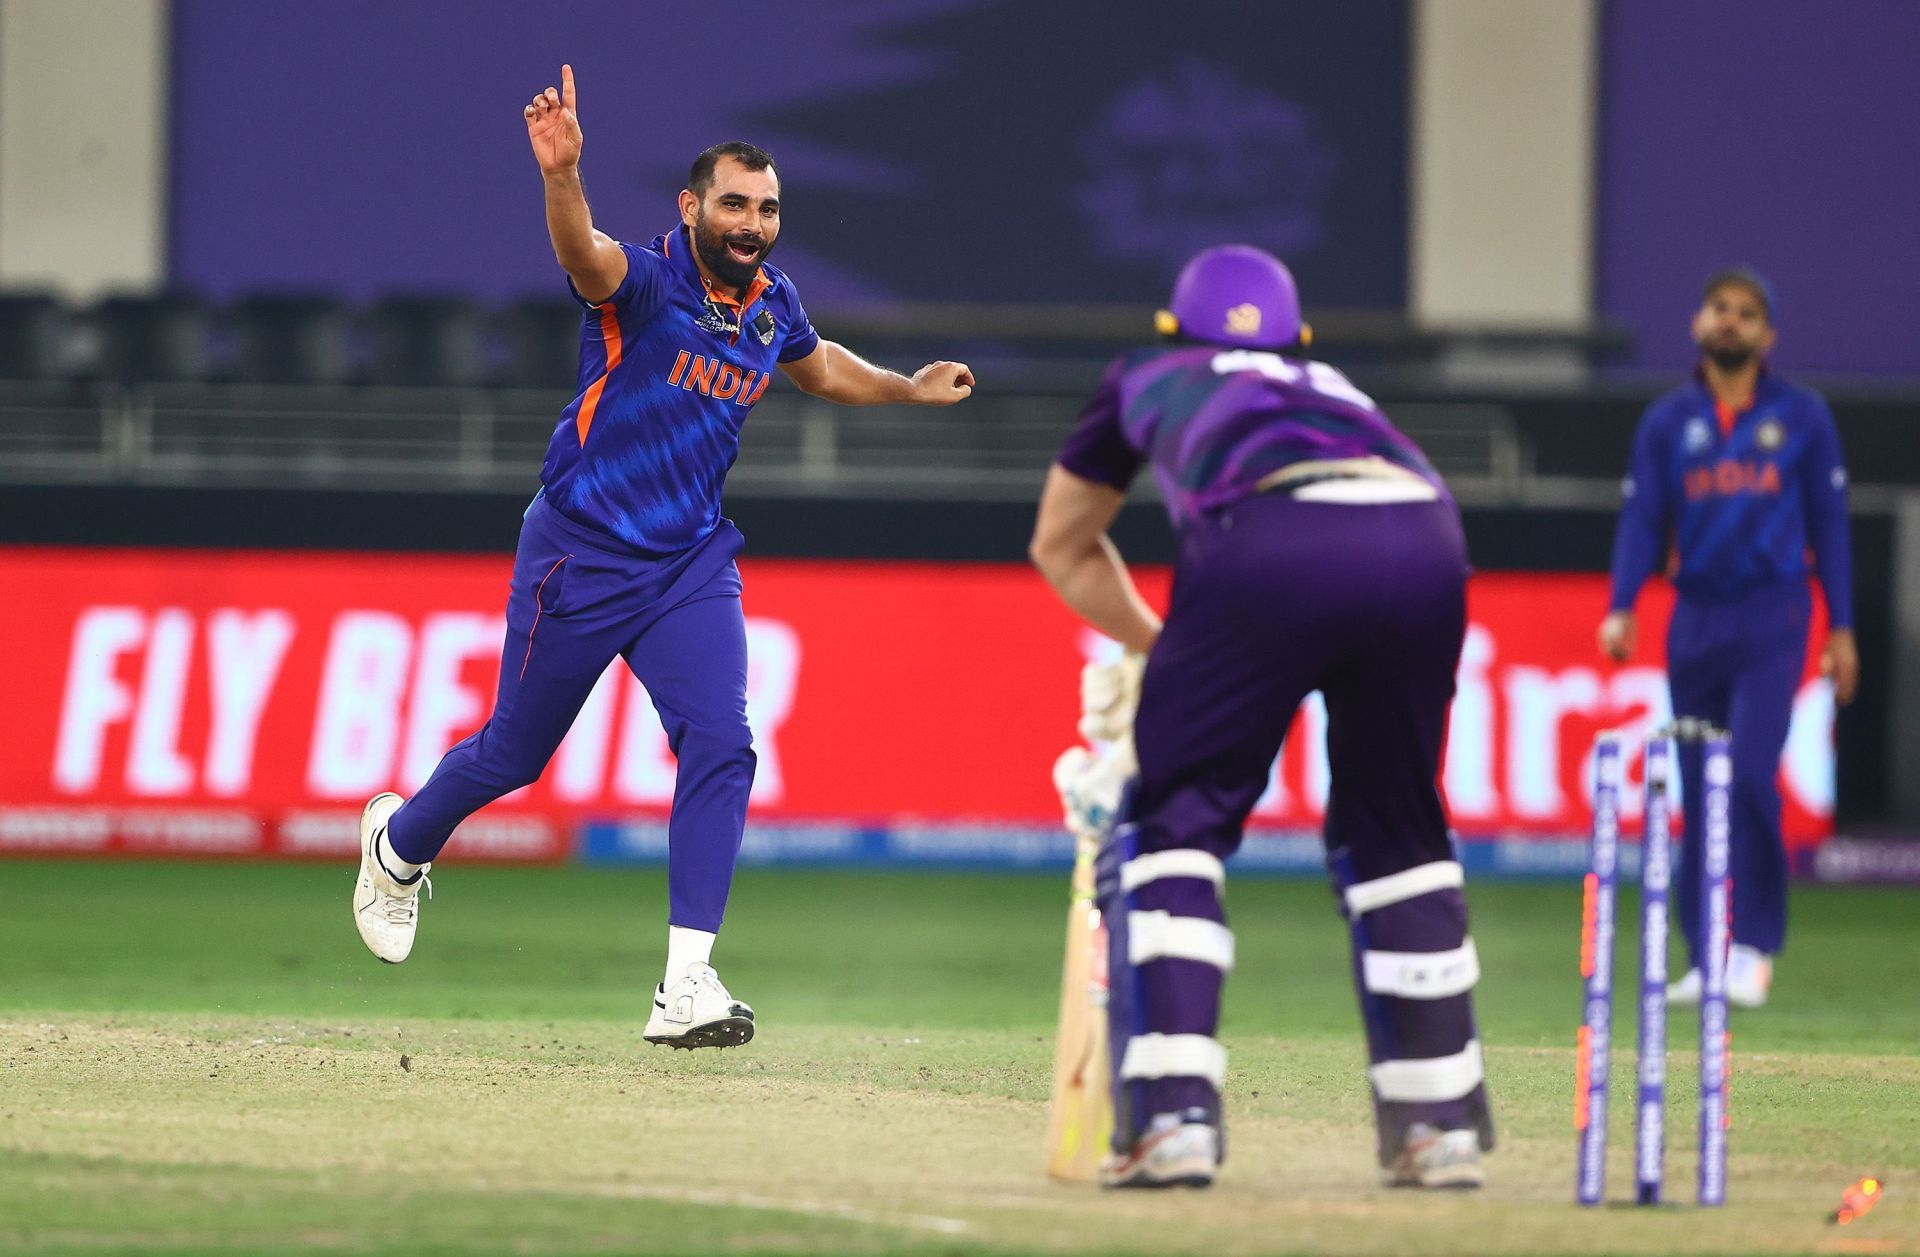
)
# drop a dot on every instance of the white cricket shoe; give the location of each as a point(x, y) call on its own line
point(1749, 974)
point(1437, 1159)
point(1175, 1152)
point(698, 1012)
point(385, 911)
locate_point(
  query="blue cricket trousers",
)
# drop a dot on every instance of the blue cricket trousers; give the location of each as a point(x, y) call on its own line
point(577, 602)
point(1738, 664)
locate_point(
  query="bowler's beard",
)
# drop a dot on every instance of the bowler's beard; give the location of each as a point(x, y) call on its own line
point(711, 246)
point(1731, 358)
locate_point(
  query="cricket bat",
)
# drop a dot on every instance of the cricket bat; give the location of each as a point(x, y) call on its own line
point(1080, 1120)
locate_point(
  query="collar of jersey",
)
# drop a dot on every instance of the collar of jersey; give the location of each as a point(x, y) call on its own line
point(1765, 388)
point(763, 283)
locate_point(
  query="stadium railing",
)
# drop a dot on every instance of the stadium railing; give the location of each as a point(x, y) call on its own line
point(430, 391)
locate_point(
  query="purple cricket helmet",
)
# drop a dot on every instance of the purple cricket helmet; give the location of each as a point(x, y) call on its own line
point(1235, 294)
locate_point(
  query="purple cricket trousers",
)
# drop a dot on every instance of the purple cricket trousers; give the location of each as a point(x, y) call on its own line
point(1274, 598)
point(579, 600)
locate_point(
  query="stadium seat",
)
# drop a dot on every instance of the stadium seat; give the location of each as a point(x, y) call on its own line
point(169, 338)
point(540, 339)
point(294, 339)
point(428, 340)
point(35, 337)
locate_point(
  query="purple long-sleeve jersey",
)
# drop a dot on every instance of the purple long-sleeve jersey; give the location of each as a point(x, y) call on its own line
point(1214, 422)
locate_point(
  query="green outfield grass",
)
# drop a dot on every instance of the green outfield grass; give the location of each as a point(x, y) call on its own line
point(202, 1058)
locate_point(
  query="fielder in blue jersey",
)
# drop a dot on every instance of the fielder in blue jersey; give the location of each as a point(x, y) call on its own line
point(1318, 550)
point(1741, 472)
point(624, 552)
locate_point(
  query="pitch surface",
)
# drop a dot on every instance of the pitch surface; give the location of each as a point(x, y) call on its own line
point(201, 1058)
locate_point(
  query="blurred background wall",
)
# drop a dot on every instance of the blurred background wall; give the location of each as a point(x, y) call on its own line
point(84, 145)
point(1441, 155)
point(274, 276)
point(1771, 132)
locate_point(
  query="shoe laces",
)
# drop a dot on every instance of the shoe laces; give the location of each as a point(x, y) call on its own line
point(402, 909)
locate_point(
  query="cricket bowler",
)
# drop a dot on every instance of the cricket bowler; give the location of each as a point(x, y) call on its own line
point(624, 552)
point(1742, 470)
point(1318, 550)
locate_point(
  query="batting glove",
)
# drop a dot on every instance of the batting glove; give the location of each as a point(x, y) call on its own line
point(1091, 786)
point(1109, 696)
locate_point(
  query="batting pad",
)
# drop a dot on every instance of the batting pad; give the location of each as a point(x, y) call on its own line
point(1414, 972)
point(1165, 936)
point(1175, 1056)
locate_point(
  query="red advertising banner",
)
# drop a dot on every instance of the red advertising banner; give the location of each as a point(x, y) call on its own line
point(238, 702)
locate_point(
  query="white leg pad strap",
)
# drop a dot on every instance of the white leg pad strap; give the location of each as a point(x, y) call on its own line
point(1175, 1056)
point(1421, 879)
point(1178, 862)
point(1158, 935)
point(1438, 1078)
point(1421, 974)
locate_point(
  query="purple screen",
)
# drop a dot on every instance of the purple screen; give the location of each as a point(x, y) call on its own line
point(1772, 132)
point(929, 149)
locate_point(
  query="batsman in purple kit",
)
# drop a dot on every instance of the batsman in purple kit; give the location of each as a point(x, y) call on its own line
point(1741, 472)
point(624, 552)
point(1318, 550)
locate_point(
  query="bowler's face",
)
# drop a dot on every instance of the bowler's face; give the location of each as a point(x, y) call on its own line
point(736, 222)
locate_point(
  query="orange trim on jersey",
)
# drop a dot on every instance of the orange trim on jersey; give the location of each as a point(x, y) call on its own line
point(755, 291)
point(1727, 413)
point(590, 400)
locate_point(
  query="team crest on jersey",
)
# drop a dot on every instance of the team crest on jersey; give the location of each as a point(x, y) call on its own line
point(710, 319)
point(1770, 435)
point(1698, 435)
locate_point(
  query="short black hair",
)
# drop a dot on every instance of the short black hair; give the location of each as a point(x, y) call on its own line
point(700, 178)
point(1745, 277)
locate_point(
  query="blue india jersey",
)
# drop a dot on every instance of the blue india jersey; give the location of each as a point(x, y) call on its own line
point(668, 371)
point(1748, 499)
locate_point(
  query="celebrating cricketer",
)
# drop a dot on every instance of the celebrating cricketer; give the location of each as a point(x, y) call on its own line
point(624, 552)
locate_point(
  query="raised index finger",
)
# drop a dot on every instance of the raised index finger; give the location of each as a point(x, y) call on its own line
point(566, 88)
